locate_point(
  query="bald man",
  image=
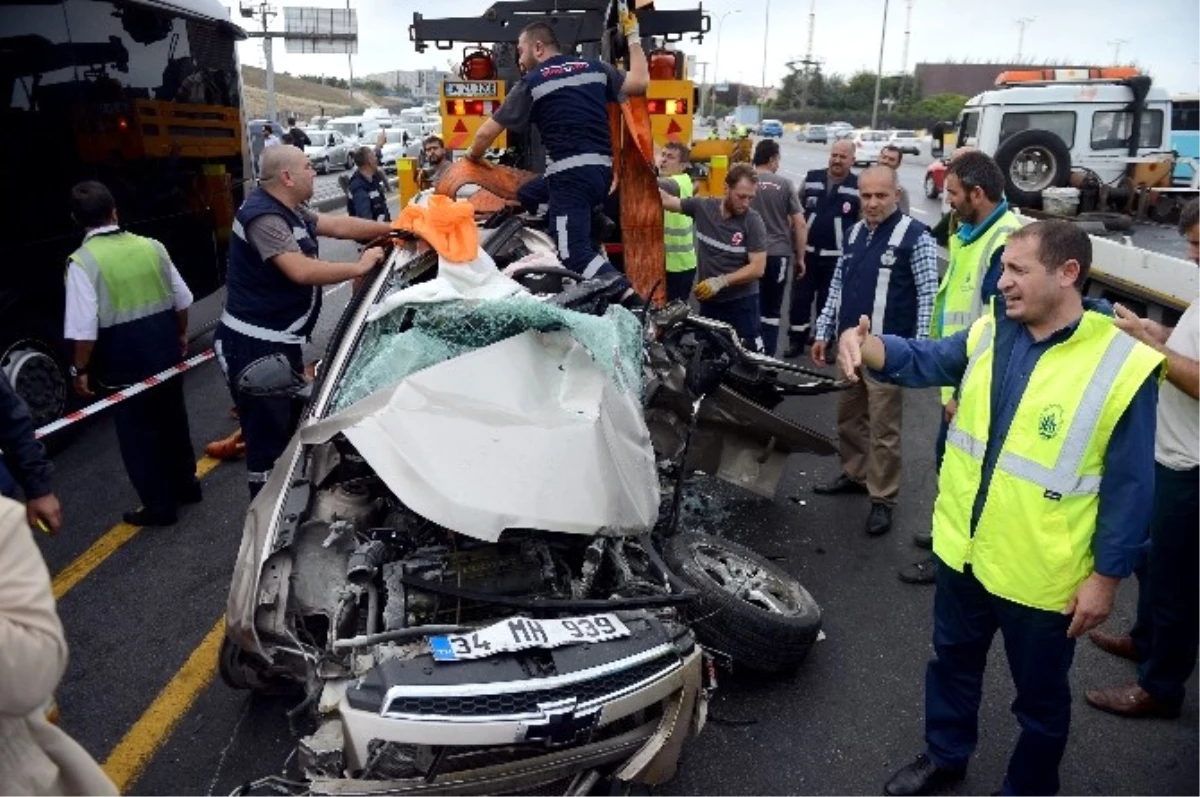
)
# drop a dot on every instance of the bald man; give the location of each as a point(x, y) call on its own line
point(274, 292)
point(831, 206)
point(888, 272)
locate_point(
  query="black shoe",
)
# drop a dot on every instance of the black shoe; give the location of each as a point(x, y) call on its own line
point(924, 539)
point(922, 572)
point(190, 493)
point(842, 484)
point(150, 517)
point(880, 520)
point(923, 776)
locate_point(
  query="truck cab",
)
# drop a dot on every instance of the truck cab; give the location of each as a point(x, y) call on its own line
point(1040, 125)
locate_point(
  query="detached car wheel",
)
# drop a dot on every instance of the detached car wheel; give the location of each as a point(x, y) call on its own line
point(748, 608)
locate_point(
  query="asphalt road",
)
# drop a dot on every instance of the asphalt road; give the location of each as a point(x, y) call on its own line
point(140, 692)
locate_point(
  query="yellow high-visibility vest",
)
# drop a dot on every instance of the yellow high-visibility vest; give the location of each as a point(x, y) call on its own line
point(1032, 544)
point(679, 242)
point(959, 302)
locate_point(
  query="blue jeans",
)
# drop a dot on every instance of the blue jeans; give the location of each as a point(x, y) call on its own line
point(1167, 630)
point(965, 619)
point(741, 314)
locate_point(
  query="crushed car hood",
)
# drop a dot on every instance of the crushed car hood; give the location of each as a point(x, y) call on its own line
point(529, 432)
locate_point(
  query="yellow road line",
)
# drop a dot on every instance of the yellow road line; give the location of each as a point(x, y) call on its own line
point(131, 755)
point(108, 544)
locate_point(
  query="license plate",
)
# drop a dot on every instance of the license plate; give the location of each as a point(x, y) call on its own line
point(522, 633)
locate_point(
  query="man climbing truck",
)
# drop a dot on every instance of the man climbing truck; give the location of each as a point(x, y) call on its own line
point(567, 99)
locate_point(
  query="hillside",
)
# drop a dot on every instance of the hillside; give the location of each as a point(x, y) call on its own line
point(301, 97)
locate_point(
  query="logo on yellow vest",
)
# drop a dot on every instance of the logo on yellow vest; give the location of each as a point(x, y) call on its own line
point(1050, 422)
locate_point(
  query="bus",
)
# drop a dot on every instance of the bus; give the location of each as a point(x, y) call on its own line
point(1185, 135)
point(144, 96)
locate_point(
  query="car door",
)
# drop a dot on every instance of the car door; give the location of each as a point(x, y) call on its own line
point(337, 148)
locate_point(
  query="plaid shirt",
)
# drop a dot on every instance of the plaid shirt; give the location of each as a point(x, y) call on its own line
point(924, 265)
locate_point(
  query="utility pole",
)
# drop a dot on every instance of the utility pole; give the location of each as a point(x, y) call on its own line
point(703, 82)
point(879, 69)
point(808, 54)
point(717, 58)
point(1116, 45)
point(904, 52)
point(1022, 23)
point(350, 63)
point(264, 13)
point(766, 31)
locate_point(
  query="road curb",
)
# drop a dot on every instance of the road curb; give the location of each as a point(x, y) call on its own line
point(329, 203)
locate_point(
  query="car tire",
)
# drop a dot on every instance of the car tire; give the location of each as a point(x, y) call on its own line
point(1041, 144)
point(753, 634)
point(931, 189)
point(324, 168)
point(37, 376)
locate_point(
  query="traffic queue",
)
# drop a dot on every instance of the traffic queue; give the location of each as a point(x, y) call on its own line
point(1067, 456)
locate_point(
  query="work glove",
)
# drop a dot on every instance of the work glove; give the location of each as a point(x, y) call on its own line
point(707, 289)
point(629, 26)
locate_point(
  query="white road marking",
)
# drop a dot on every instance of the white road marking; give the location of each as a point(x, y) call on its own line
point(918, 210)
point(336, 289)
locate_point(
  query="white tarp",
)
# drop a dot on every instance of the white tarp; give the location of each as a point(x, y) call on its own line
point(529, 432)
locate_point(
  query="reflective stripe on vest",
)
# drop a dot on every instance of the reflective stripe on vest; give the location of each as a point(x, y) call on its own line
point(879, 306)
point(1032, 541)
point(678, 241)
point(715, 244)
point(557, 83)
point(130, 274)
point(575, 161)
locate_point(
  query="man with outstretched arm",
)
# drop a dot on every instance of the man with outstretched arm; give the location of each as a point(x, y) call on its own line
point(1043, 499)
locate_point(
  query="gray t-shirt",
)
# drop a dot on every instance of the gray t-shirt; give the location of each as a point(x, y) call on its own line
point(1177, 442)
point(271, 234)
point(724, 245)
point(776, 201)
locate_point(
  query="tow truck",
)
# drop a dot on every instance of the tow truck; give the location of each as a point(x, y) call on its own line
point(1104, 132)
point(488, 67)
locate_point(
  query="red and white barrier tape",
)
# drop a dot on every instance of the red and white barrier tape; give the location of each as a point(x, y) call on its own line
point(124, 393)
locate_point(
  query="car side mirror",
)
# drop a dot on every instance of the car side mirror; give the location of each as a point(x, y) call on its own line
point(273, 376)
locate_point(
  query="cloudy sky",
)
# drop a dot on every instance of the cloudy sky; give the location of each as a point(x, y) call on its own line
point(1161, 36)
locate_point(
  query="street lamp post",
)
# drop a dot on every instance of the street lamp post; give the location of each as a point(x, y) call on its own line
point(717, 58)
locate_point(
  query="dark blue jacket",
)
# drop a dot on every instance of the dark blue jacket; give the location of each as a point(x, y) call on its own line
point(24, 461)
point(829, 215)
point(877, 276)
point(259, 293)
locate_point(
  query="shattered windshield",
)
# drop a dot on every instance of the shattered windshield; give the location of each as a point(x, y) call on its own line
point(416, 336)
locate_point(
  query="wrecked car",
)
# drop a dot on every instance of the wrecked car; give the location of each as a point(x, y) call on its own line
point(469, 559)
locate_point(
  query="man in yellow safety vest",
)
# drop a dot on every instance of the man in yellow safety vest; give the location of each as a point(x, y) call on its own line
point(1044, 496)
point(980, 227)
point(678, 230)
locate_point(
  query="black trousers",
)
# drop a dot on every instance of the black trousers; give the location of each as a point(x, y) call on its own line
point(812, 288)
point(156, 444)
point(268, 422)
point(1167, 631)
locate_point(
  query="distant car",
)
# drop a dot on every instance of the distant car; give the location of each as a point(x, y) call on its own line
point(935, 179)
point(867, 146)
point(906, 141)
point(839, 130)
point(403, 141)
point(771, 128)
point(815, 134)
point(328, 151)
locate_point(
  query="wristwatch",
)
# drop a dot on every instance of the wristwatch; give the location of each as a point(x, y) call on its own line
point(77, 371)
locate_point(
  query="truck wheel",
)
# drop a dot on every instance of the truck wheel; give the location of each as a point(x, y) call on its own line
point(747, 607)
point(1032, 161)
point(37, 378)
point(931, 187)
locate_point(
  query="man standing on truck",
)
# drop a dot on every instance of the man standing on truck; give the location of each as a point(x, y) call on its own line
point(274, 293)
point(1164, 639)
point(888, 271)
point(1043, 497)
point(975, 187)
point(831, 201)
point(567, 98)
point(731, 248)
point(778, 204)
point(127, 315)
point(679, 242)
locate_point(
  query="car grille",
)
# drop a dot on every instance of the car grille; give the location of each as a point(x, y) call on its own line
point(594, 691)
